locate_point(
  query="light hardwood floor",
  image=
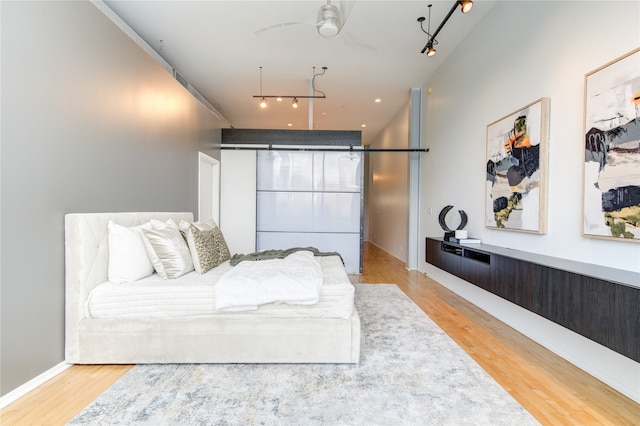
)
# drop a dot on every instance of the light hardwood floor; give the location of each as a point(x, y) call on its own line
point(553, 390)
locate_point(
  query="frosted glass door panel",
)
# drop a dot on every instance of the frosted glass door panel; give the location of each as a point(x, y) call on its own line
point(285, 171)
point(306, 171)
point(284, 211)
point(310, 199)
point(310, 212)
point(348, 245)
point(336, 212)
point(337, 171)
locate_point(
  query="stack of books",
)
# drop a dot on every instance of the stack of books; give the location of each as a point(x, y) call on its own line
point(465, 240)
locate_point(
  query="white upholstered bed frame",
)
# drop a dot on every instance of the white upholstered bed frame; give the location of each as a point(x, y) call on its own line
point(242, 339)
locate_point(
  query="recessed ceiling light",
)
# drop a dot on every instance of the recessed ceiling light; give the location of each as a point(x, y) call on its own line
point(290, 124)
point(363, 125)
point(378, 100)
point(279, 99)
point(324, 113)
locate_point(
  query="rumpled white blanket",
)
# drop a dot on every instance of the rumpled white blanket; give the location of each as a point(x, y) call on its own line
point(296, 279)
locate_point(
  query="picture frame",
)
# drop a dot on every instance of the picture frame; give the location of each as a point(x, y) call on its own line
point(611, 150)
point(516, 166)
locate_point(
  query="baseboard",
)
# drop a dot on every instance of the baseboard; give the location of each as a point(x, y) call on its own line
point(22, 390)
point(613, 369)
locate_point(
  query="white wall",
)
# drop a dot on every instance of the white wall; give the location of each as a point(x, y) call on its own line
point(238, 200)
point(388, 197)
point(520, 52)
point(90, 122)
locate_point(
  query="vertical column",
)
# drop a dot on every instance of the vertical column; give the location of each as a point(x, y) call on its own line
point(415, 115)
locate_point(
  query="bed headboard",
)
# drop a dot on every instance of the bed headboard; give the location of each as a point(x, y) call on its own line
point(87, 257)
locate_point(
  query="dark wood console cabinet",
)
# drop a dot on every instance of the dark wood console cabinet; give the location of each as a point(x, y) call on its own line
point(600, 303)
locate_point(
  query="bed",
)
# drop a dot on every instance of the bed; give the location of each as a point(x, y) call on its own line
point(156, 320)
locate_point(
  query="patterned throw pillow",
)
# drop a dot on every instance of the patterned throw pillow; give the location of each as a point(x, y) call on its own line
point(208, 248)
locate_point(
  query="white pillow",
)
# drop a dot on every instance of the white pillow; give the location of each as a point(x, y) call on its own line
point(168, 251)
point(200, 226)
point(128, 259)
point(158, 224)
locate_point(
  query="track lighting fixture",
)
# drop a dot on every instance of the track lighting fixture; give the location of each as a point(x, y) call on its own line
point(263, 101)
point(465, 6)
point(317, 94)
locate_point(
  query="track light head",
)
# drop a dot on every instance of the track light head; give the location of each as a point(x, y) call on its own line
point(294, 103)
point(466, 5)
point(263, 103)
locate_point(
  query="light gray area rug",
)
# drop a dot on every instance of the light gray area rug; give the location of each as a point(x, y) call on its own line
point(410, 373)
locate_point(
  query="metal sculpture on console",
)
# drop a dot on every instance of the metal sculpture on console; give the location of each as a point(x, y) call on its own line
point(448, 232)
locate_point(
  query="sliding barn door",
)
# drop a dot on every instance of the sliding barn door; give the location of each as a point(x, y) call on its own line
point(311, 199)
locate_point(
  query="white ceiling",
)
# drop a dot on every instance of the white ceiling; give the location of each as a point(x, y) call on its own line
point(214, 45)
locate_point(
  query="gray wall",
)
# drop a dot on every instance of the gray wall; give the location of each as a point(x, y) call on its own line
point(90, 123)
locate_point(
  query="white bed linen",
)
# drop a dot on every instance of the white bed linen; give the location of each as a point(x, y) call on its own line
point(295, 279)
point(193, 295)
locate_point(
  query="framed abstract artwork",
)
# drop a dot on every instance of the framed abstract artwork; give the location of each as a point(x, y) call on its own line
point(611, 154)
point(516, 179)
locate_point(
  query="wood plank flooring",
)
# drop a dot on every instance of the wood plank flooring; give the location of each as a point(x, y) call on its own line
point(61, 398)
point(554, 391)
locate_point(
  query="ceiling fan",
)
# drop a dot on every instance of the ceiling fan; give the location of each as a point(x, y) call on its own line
point(331, 18)
point(329, 22)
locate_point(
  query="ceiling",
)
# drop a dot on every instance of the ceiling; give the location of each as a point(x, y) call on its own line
point(214, 46)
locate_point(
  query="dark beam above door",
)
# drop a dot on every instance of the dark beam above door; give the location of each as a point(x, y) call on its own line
point(292, 137)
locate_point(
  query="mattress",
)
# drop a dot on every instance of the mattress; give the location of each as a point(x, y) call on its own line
point(193, 295)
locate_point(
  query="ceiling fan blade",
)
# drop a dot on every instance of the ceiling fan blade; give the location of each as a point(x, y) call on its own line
point(345, 10)
point(354, 42)
point(262, 31)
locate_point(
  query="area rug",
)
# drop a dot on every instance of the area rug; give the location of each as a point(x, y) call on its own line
point(410, 373)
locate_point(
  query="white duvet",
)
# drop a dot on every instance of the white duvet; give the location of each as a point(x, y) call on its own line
point(296, 279)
